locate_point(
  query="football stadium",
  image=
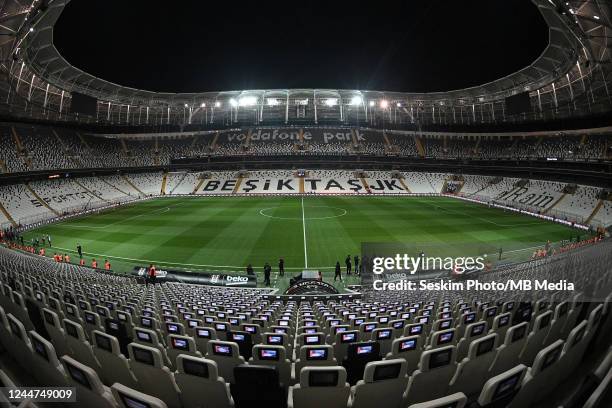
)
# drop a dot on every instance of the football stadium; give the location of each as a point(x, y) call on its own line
point(419, 218)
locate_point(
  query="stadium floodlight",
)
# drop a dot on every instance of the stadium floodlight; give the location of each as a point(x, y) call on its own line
point(186, 105)
point(247, 101)
point(331, 102)
point(233, 102)
point(596, 17)
point(356, 100)
point(31, 29)
point(202, 105)
point(372, 103)
point(399, 105)
point(272, 102)
point(217, 104)
point(384, 104)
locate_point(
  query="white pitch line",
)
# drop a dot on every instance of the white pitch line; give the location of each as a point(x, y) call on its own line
point(304, 228)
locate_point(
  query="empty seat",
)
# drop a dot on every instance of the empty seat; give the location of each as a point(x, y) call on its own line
point(274, 356)
point(358, 356)
point(432, 379)
point(153, 377)
point(313, 356)
point(386, 378)
point(535, 339)
point(202, 336)
point(342, 341)
point(130, 398)
point(89, 388)
point(457, 400)
point(473, 331)
point(198, 376)
point(507, 354)
point(181, 345)
point(55, 331)
point(409, 349)
point(320, 387)
point(19, 346)
point(47, 370)
point(473, 371)
point(227, 356)
point(573, 351)
point(114, 366)
point(256, 385)
point(500, 390)
point(79, 347)
point(384, 337)
point(540, 378)
point(149, 337)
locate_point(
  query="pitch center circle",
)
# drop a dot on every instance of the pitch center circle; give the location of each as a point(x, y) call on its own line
point(337, 212)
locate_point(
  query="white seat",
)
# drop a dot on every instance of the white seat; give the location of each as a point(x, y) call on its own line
point(114, 366)
point(197, 377)
point(501, 324)
point(541, 378)
point(149, 338)
point(384, 337)
point(535, 339)
point(409, 349)
point(130, 398)
point(473, 331)
point(320, 387)
point(48, 370)
point(181, 345)
point(79, 347)
point(386, 378)
point(89, 388)
point(558, 323)
point(342, 341)
point(432, 379)
point(442, 338)
point(473, 370)
point(19, 346)
point(313, 356)
point(55, 331)
point(274, 356)
point(153, 377)
point(500, 390)
point(202, 336)
point(227, 356)
point(457, 400)
point(507, 354)
point(573, 351)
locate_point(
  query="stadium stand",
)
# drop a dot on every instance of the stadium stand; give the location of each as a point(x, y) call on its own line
point(95, 360)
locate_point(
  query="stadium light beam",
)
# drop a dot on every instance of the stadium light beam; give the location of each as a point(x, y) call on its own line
point(372, 103)
point(233, 102)
point(202, 105)
point(384, 104)
point(217, 104)
point(356, 100)
point(272, 102)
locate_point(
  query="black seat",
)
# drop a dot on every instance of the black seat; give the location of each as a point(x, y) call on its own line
point(257, 386)
point(357, 356)
point(244, 341)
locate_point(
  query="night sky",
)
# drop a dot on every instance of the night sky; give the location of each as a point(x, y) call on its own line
point(197, 45)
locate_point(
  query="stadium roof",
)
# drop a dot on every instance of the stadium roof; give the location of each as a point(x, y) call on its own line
point(570, 77)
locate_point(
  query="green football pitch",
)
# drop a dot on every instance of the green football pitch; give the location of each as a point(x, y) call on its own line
point(226, 233)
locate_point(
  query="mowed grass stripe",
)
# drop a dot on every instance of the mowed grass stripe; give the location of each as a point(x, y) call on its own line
point(230, 231)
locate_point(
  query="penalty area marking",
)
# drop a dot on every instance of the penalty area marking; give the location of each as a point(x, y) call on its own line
point(302, 218)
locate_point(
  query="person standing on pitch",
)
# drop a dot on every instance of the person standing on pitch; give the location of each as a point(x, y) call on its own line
point(347, 261)
point(49, 240)
point(249, 270)
point(267, 271)
point(356, 261)
point(80, 250)
point(338, 273)
point(281, 267)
